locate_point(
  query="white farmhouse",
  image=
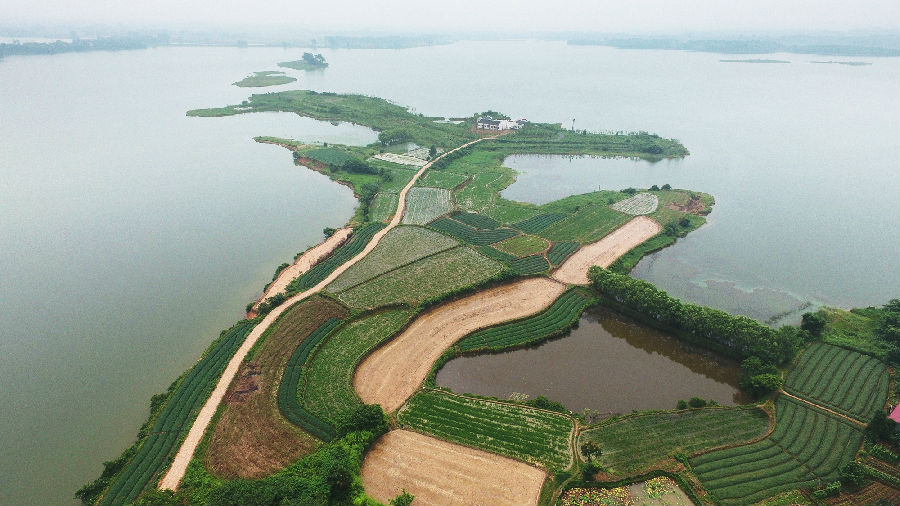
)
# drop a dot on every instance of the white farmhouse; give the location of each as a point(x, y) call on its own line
point(500, 124)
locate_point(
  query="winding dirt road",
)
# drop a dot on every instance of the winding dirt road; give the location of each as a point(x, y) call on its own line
point(179, 465)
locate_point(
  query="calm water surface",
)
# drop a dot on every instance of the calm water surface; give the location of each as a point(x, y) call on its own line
point(130, 234)
point(609, 363)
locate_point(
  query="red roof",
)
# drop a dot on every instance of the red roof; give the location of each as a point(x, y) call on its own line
point(895, 415)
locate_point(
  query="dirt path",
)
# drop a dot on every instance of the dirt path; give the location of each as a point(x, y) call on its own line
point(440, 473)
point(179, 465)
point(823, 408)
point(605, 251)
point(394, 372)
point(305, 262)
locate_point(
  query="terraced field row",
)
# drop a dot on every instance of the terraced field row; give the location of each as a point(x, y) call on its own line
point(400, 246)
point(845, 381)
point(429, 277)
point(154, 455)
point(560, 251)
point(806, 449)
point(558, 318)
point(471, 235)
point(327, 389)
point(537, 223)
point(359, 240)
point(287, 390)
point(634, 443)
point(523, 433)
point(589, 224)
point(475, 220)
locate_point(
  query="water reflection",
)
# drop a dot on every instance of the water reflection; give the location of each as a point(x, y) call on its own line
point(609, 363)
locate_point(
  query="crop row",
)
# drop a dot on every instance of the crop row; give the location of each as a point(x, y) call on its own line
point(845, 381)
point(471, 235)
point(154, 455)
point(328, 375)
point(807, 447)
point(425, 204)
point(361, 237)
point(430, 277)
point(560, 251)
point(495, 254)
point(400, 246)
point(475, 220)
point(634, 443)
point(559, 317)
point(529, 265)
point(523, 433)
point(539, 222)
point(287, 390)
point(590, 223)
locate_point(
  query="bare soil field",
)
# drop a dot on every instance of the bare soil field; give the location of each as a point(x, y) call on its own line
point(305, 262)
point(606, 250)
point(441, 473)
point(394, 372)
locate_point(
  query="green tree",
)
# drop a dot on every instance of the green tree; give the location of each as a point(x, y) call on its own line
point(671, 228)
point(591, 450)
point(852, 473)
point(814, 323)
point(403, 499)
point(696, 402)
point(682, 404)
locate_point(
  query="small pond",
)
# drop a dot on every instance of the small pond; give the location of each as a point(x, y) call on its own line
point(609, 363)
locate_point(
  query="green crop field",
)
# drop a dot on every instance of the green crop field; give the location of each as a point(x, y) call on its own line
point(334, 157)
point(471, 235)
point(328, 379)
point(153, 457)
point(361, 236)
point(475, 220)
point(845, 381)
point(425, 204)
point(400, 246)
point(561, 251)
point(506, 211)
point(495, 254)
point(441, 179)
point(290, 381)
point(523, 245)
point(806, 450)
point(633, 443)
point(533, 264)
point(537, 223)
point(556, 319)
point(430, 277)
point(523, 433)
point(589, 224)
point(481, 191)
point(383, 206)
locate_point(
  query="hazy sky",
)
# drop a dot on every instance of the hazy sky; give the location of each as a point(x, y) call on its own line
point(469, 15)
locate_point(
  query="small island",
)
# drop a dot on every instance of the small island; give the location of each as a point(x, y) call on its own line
point(851, 63)
point(308, 62)
point(265, 78)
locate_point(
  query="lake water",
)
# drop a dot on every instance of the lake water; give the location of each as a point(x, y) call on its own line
point(609, 363)
point(130, 234)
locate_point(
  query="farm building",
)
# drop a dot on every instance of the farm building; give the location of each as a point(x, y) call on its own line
point(500, 124)
point(895, 415)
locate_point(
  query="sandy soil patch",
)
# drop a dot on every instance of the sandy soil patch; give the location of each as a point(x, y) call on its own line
point(305, 262)
point(606, 250)
point(438, 472)
point(394, 372)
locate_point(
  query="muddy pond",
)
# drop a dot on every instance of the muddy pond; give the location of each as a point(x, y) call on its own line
point(609, 363)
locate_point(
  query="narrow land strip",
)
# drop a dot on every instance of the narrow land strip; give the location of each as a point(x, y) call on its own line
point(437, 472)
point(605, 251)
point(305, 262)
point(394, 372)
point(823, 408)
point(179, 465)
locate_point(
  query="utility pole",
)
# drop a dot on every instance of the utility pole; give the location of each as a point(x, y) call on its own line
point(573, 124)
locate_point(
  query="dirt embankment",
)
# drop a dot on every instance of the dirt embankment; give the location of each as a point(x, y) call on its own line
point(605, 251)
point(305, 262)
point(437, 472)
point(394, 372)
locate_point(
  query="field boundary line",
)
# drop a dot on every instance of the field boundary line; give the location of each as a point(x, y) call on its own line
point(823, 408)
point(178, 468)
point(407, 264)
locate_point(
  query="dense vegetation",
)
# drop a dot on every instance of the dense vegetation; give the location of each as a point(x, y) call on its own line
point(308, 61)
point(634, 443)
point(850, 383)
point(523, 433)
point(807, 449)
point(873, 330)
point(157, 444)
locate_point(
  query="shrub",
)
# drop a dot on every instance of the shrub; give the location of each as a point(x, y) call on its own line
point(682, 404)
point(368, 417)
point(405, 498)
point(589, 470)
point(696, 402)
point(852, 473)
point(667, 186)
point(814, 323)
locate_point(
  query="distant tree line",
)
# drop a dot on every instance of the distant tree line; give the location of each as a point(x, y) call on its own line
point(80, 45)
